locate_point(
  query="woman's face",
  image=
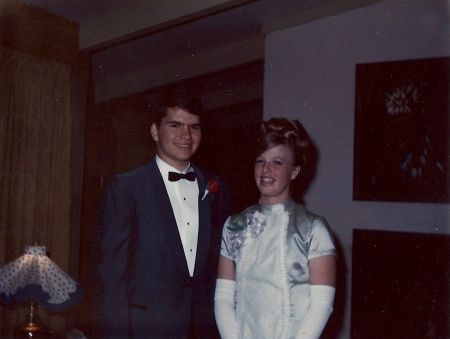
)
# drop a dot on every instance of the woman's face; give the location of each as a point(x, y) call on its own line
point(273, 172)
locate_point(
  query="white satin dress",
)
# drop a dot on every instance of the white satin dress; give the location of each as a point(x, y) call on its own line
point(271, 246)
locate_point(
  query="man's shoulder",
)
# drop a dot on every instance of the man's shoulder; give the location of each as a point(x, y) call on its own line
point(136, 171)
point(209, 176)
point(204, 172)
point(135, 175)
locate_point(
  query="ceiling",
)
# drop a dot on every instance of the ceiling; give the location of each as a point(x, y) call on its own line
point(106, 22)
point(78, 10)
point(137, 45)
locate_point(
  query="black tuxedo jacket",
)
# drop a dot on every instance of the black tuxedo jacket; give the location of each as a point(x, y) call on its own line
point(145, 290)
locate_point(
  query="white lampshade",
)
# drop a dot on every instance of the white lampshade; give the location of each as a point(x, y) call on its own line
point(35, 276)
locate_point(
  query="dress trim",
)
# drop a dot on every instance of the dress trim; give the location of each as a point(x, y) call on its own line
point(283, 220)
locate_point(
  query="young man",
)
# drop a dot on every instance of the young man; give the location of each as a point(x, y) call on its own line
point(160, 229)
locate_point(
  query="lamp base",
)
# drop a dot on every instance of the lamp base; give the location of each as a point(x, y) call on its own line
point(30, 330)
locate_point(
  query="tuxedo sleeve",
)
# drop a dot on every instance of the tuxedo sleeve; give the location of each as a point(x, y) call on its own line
point(114, 227)
point(225, 208)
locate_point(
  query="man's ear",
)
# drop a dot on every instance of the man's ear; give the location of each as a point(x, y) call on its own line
point(295, 172)
point(154, 132)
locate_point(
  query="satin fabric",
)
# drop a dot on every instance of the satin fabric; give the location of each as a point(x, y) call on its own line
point(272, 275)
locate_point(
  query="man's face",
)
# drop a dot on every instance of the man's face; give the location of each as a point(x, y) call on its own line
point(177, 137)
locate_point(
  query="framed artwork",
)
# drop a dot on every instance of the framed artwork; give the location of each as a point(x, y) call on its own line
point(402, 131)
point(400, 285)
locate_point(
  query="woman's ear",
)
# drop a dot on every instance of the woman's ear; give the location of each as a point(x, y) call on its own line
point(154, 132)
point(295, 172)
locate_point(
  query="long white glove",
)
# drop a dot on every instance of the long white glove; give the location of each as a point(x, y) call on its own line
point(224, 309)
point(320, 308)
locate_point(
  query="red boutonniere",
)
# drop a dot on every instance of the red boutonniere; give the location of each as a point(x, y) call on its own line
point(213, 186)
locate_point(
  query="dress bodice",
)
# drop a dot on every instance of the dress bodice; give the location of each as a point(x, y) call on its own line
point(271, 246)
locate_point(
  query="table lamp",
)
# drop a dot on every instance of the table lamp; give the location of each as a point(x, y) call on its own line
point(36, 278)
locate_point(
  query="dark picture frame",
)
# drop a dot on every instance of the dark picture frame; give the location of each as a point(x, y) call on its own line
point(401, 131)
point(400, 285)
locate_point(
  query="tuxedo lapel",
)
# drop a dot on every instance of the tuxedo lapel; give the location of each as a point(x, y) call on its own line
point(168, 222)
point(204, 223)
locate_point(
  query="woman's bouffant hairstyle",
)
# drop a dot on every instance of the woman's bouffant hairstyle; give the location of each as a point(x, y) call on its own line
point(291, 133)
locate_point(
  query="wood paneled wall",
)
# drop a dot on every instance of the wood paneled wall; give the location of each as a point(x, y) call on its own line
point(32, 30)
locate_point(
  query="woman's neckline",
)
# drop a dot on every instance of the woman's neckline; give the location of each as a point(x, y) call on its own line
point(281, 206)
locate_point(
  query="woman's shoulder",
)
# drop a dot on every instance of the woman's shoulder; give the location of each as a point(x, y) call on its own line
point(305, 219)
point(315, 233)
point(237, 221)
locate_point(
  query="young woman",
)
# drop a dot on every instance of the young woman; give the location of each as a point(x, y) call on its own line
point(277, 267)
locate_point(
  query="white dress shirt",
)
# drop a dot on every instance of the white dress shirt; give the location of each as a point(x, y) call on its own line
point(183, 195)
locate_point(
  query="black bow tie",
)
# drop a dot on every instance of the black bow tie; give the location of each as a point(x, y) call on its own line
point(174, 176)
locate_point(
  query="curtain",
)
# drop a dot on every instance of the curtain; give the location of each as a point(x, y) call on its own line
point(35, 144)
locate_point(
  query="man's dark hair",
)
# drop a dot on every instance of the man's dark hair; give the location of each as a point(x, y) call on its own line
point(176, 96)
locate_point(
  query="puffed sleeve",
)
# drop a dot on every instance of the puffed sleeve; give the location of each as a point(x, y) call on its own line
point(321, 241)
point(225, 248)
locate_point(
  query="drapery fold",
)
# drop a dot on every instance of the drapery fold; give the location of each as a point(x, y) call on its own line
point(35, 146)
